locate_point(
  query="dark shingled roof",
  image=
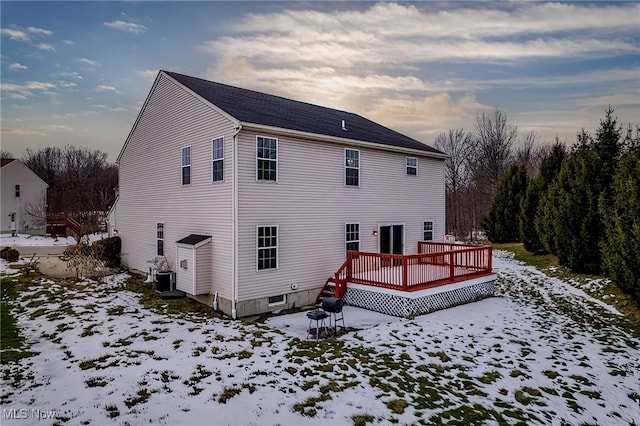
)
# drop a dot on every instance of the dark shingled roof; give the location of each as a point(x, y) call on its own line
point(193, 239)
point(253, 107)
point(5, 161)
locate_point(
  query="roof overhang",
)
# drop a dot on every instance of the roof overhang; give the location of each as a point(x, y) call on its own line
point(342, 141)
point(194, 241)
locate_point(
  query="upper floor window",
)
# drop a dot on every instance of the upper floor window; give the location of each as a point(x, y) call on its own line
point(412, 166)
point(160, 239)
point(17, 191)
point(427, 231)
point(217, 158)
point(352, 236)
point(186, 165)
point(267, 247)
point(267, 158)
point(352, 167)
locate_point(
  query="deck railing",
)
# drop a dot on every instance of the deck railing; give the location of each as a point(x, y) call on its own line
point(435, 264)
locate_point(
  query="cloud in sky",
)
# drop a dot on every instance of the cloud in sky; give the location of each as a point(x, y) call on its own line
point(17, 66)
point(87, 61)
point(376, 60)
point(46, 46)
point(417, 67)
point(104, 88)
point(23, 91)
point(126, 26)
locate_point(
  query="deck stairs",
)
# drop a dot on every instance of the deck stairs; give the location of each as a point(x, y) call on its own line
point(328, 290)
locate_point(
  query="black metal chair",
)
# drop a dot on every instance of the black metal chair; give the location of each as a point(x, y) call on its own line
point(333, 307)
point(317, 315)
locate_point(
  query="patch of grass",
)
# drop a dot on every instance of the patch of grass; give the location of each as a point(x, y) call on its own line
point(12, 343)
point(397, 405)
point(140, 398)
point(362, 419)
point(228, 393)
point(93, 382)
point(489, 377)
point(112, 411)
point(551, 374)
point(97, 363)
point(308, 407)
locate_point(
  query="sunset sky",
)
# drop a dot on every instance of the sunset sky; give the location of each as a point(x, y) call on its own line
point(78, 72)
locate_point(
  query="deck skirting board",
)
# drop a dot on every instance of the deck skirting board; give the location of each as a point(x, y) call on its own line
point(404, 305)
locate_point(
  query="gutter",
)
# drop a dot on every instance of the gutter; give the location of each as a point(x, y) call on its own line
point(342, 141)
point(234, 225)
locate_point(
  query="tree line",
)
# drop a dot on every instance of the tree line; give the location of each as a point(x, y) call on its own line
point(582, 204)
point(81, 182)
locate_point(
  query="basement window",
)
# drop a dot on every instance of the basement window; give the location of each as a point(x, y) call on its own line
point(277, 300)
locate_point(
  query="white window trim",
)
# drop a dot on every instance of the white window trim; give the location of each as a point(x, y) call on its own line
point(160, 239)
point(284, 300)
point(345, 167)
point(213, 159)
point(182, 166)
point(433, 230)
point(359, 240)
point(276, 159)
point(407, 166)
point(277, 248)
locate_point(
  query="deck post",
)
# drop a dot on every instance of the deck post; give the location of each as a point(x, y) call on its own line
point(404, 274)
point(452, 268)
point(490, 260)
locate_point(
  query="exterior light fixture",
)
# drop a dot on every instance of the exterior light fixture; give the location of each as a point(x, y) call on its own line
point(375, 233)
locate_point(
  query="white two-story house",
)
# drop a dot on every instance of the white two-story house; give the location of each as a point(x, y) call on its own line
point(255, 199)
point(24, 198)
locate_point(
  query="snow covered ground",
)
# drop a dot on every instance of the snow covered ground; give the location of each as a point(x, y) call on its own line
point(541, 352)
point(25, 240)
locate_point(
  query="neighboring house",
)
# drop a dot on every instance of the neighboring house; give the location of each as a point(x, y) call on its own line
point(255, 199)
point(24, 198)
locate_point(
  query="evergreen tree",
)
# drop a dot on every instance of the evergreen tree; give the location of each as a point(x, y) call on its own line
point(530, 214)
point(569, 212)
point(621, 247)
point(528, 210)
point(502, 224)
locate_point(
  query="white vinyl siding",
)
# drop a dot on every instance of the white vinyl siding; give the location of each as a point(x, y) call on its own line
point(171, 119)
point(412, 166)
point(266, 158)
point(311, 208)
point(267, 247)
point(352, 167)
point(186, 165)
point(217, 160)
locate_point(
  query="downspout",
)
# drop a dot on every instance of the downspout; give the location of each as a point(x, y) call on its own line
point(234, 225)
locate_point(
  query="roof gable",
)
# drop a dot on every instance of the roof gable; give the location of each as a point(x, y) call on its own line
point(253, 107)
point(5, 161)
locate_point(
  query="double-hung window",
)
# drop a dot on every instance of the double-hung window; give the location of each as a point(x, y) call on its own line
point(352, 167)
point(17, 191)
point(412, 166)
point(217, 160)
point(352, 236)
point(427, 231)
point(266, 158)
point(186, 165)
point(160, 239)
point(267, 247)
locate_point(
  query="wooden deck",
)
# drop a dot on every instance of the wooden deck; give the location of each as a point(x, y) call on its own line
point(439, 276)
point(434, 265)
